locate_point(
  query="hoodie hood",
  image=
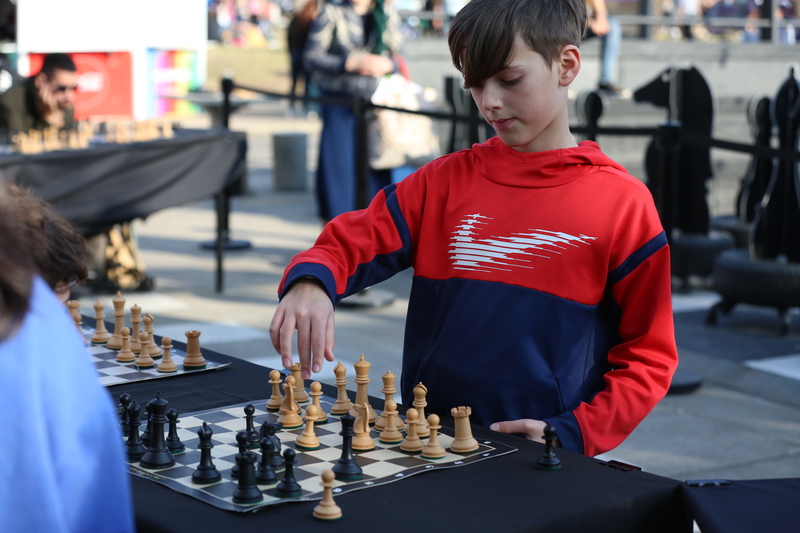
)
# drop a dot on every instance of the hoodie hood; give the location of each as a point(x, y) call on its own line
point(551, 168)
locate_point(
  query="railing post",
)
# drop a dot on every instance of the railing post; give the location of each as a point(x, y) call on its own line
point(227, 89)
point(645, 9)
point(667, 194)
point(361, 107)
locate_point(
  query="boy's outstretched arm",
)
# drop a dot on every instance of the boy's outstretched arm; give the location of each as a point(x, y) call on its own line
point(307, 308)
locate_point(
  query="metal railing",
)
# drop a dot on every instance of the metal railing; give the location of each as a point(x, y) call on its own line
point(670, 137)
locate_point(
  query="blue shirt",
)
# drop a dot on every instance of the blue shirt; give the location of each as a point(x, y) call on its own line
point(61, 463)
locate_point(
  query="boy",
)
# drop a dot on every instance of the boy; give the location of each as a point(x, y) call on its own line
point(542, 281)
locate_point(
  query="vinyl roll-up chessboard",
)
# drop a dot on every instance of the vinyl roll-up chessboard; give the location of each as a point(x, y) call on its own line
point(112, 372)
point(384, 464)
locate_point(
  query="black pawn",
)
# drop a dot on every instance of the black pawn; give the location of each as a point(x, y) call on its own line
point(206, 471)
point(252, 434)
point(174, 443)
point(346, 468)
point(548, 460)
point(242, 451)
point(288, 487)
point(148, 429)
point(124, 402)
point(157, 454)
point(246, 489)
point(134, 445)
point(270, 430)
point(265, 475)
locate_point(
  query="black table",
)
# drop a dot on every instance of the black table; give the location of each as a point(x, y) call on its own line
point(108, 184)
point(506, 493)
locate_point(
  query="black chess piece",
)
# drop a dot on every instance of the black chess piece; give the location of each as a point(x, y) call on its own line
point(246, 489)
point(174, 443)
point(288, 487)
point(134, 446)
point(242, 450)
point(148, 429)
point(252, 434)
point(346, 468)
point(157, 454)
point(265, 475)
point(124, 402)
point(206, 472)
point(270, 430)
point(548, 460)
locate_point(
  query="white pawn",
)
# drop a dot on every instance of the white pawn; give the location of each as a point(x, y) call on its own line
point(316, 392)
point(412, 443)
point(308, 440)
point(167, 365)
point(433, 450)
point(125, 355)
point(276, 399)
point(327, 508)
point(390, 435)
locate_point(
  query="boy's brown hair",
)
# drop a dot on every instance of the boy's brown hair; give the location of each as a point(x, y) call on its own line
point(483, 32)
point(54, 244)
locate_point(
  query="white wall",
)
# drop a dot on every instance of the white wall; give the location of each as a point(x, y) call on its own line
point(48, 26)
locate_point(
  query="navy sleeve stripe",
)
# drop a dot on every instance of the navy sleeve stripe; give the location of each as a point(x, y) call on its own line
point(393, 205)
point(637, 258)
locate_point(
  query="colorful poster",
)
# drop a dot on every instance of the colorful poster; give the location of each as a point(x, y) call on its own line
point(171, 75)
point(105, 83)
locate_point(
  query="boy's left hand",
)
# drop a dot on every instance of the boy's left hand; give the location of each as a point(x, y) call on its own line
point(531, 429)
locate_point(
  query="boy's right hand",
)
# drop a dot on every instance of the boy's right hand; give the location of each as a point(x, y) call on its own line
point(307, 308)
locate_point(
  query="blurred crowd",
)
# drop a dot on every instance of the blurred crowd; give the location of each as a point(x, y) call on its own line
point(248, 23)
point(785, 10)
point(256, 23)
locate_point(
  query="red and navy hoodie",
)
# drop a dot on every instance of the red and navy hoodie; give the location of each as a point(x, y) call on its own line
point(541, 287)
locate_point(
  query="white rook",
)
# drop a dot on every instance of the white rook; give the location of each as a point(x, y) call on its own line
point(291, 161)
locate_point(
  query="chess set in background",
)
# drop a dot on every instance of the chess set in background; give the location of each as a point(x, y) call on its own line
point(122, 132)
point(129, 355)
point(209, 454)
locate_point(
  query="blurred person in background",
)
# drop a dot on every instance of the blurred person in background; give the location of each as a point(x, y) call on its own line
point(609, 31)
point(297, 37)
point(351, 44)
point(44, 100)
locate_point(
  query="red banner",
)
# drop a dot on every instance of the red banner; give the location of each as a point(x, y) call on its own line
point(105, 83)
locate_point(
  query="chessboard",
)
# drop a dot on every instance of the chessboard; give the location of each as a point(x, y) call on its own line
point(112, 372)
point(384, 464)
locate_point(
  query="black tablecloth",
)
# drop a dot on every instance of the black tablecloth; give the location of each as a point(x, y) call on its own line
point(506, 493)
point(755, 505)
point(106, 184)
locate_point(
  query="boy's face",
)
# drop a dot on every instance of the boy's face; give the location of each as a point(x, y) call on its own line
point(526, 102)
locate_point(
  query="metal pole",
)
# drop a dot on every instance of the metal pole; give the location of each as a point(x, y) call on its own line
point(645, 9)
point(667, 194)
point(360, 111)
point(227, 89)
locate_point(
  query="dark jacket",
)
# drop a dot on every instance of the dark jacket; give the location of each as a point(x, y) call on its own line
point(19, 111)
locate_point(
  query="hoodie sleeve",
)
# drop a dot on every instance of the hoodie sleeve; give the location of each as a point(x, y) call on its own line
point(644, 360)
point(356, 249)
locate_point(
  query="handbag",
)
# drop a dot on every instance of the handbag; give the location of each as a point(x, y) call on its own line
point(396, 138)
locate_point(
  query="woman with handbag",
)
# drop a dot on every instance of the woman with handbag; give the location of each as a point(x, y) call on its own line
point(351, 44)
